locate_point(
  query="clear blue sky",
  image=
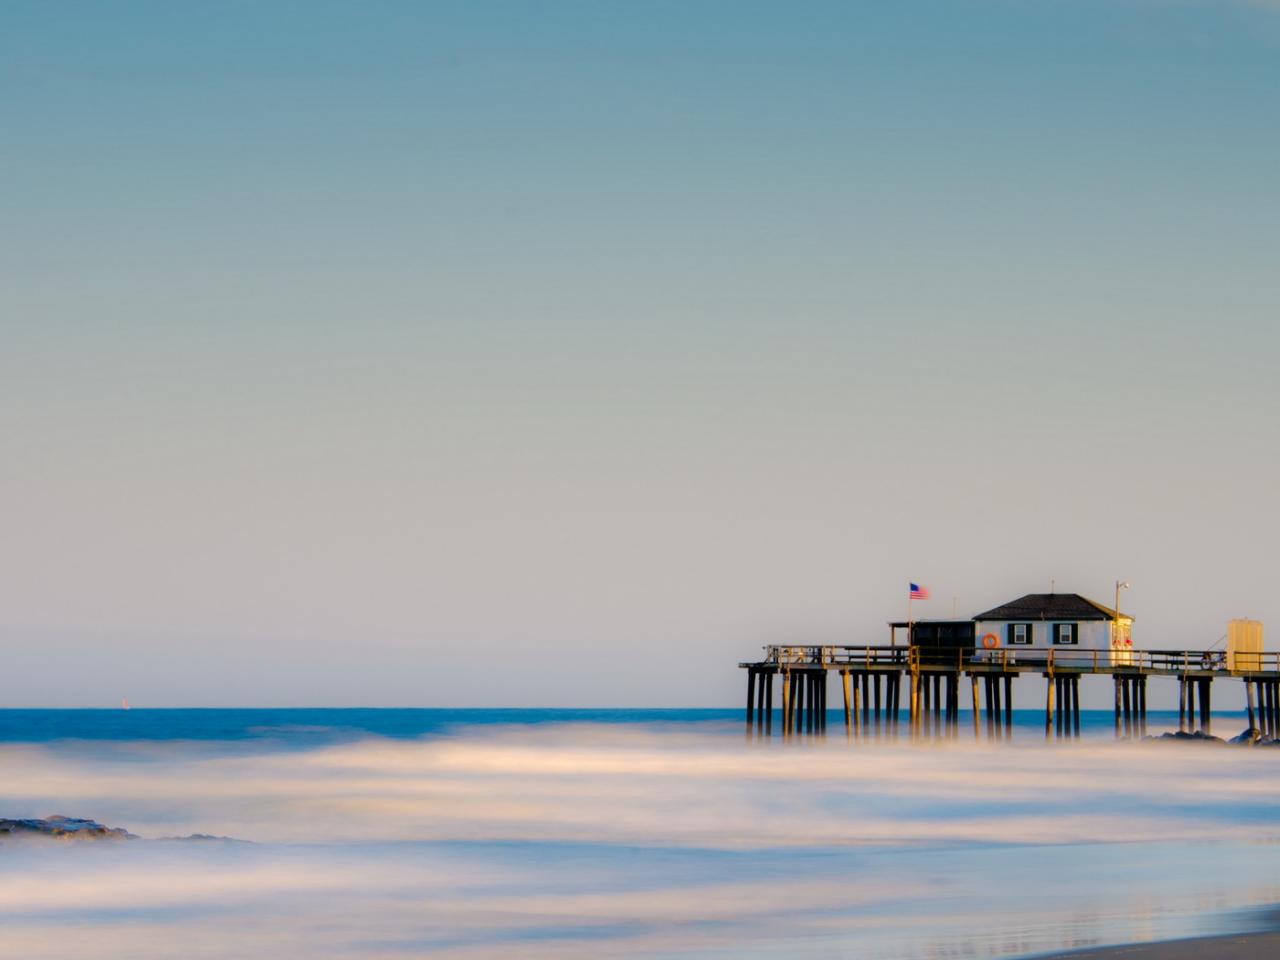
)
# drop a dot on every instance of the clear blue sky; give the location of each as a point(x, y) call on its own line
point(562, 353)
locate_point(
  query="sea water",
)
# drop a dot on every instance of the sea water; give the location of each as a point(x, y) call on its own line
point(589, 833)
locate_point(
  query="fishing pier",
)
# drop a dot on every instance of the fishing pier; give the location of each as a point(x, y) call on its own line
point(1061, 638)
point(872, 679)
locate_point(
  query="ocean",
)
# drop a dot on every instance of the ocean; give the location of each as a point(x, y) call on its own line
point(331, 833)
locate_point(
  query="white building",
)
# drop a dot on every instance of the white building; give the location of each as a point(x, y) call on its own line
point(1055, 621)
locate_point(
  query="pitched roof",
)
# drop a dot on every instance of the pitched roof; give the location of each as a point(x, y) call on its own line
point(1050, 606)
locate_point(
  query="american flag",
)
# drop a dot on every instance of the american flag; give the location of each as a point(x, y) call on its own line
point(918, 592)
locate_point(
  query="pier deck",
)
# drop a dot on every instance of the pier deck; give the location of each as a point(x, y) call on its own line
point(871, 679)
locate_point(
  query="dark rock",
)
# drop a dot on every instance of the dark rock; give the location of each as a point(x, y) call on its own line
point(1250, 737)
point(201, 838)
point(61, 828)
point(1199, 736)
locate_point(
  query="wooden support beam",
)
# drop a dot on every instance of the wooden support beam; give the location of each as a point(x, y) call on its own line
point(1275, 709)
point(953, 702)
point(948, 701)
point(768, 704)
point(795, 682)
point(1264, 721)
point(953, 707)
point(1075, 706)
point(1206, 708)
point(866, 703)
point(988, 697)
point(760, 684)
point(942, 705)
point(926, 703)
point(1264, 711)
point(1128, 706)
point(786, 705)
point(808, 702)
point(822, 701)
point(1063, 705)
point(848, 703)
point(811, 701)
point(1116, 680)
point(999, 713)
point(806, 699)
point(751, 697)
point(1009, 707)
point(895, 709)
point(857, 705)
point(1268, 690)
point(1142, 707)
point(818, 705)
point(913, 719)
point(875, 688)
point(1049, 682)
point(1190, 686)
point(1265, 689)
point(895, 702)
point(977, 729)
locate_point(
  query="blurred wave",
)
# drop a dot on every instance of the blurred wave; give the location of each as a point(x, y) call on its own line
point(616, 840)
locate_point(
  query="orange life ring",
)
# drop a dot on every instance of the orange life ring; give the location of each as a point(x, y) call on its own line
point(990, 641)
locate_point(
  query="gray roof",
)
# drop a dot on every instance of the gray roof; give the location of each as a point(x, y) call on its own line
point(1050, 606)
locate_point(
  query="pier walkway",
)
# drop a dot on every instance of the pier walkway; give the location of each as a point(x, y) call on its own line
point(872, 678)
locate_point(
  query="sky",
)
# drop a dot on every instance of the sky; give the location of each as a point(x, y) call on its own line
point(481, 354)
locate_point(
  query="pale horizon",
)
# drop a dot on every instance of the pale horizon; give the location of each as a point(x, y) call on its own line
point(564, 355)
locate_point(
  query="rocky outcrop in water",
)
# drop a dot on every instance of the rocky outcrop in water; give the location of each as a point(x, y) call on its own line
point(1251, 737)
point(75, 829)
point(1198, 736)
point(61, 828)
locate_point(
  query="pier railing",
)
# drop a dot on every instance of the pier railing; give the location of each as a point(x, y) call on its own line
point(1018, 660)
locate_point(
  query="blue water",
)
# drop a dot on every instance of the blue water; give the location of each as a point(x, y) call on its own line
point(318, 726)
point(376, 833)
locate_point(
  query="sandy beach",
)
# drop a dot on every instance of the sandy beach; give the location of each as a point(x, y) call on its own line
point(1247, 946)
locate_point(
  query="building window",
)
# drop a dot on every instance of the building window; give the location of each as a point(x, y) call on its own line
point(1019, 634)
point(1064, 633)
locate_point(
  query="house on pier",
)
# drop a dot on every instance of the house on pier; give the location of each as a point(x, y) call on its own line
point(1052, 621)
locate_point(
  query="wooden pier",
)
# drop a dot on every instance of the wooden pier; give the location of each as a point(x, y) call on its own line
point(872, 680)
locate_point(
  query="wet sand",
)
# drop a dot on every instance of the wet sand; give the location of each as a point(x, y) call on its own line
point(1242, 946)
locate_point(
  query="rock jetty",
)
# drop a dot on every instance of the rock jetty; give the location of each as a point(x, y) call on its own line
point(1251, 737)
point(61, 828)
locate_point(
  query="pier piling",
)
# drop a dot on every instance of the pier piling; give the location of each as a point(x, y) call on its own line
point(871, 680)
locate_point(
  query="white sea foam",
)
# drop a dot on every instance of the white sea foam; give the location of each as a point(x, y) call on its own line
point(613, 785)
point(600, 841)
